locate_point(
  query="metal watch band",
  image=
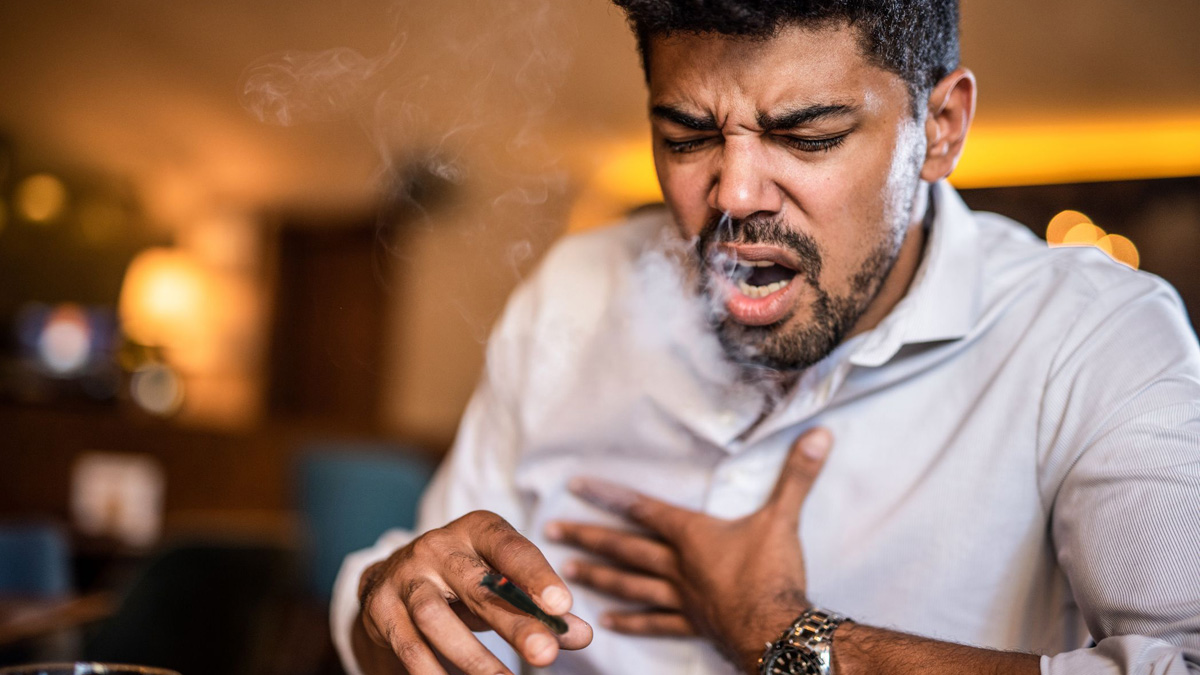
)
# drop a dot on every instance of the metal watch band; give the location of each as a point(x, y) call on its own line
point(805, 648)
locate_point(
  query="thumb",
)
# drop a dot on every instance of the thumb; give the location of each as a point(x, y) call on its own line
point(800, 469)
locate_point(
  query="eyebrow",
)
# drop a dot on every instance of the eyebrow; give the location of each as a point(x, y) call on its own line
point(672, 114)
point(786, 120)
point(800, 116)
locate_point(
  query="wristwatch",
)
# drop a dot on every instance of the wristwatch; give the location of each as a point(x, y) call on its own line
point(805, 648)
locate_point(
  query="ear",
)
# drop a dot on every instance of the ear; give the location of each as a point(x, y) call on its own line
point(951, 109)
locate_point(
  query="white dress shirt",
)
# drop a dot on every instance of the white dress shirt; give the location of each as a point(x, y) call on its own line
point(1016, 459)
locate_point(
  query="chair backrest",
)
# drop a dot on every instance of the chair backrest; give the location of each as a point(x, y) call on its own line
point(34, 560)
point(349, 494)
point(199, 608)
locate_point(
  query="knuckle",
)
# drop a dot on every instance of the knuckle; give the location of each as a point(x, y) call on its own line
point(409, 651)
point(425, 612)
point(477, 595)
point(508, 543)
point(483, 518)
point(464, 565)
point(432, 545)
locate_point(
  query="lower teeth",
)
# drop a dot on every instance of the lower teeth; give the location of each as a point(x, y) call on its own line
point(761, 291)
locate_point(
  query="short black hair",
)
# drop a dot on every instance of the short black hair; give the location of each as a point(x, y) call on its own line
point(916, 39)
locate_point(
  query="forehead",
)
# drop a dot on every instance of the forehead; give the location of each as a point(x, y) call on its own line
point(798, 64)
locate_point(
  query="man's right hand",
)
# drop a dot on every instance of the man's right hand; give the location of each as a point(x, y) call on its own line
point(426, 599)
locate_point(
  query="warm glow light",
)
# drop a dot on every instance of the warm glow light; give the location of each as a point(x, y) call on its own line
point(66, 340)
point(624, 179)
point(1061, 224)
point(1083, 234)
point(1080, 150)
point(1121, 249)
point(162, 298)
point(41, 198)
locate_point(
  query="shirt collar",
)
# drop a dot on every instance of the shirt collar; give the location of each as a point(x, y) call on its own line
point(942, 302)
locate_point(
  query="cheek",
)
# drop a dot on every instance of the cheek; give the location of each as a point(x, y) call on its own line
point(685, 191)
point(850, 208)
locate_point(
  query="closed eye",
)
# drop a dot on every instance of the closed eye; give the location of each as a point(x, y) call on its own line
point(812, 144)
point(690, 145)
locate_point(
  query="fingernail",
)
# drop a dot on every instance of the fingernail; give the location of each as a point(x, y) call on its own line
point(556, 600)
point(554, 531)
point(607, 621)
point(540, 646)
point(815, 445)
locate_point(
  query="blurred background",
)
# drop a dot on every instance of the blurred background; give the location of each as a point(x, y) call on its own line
point(250, 253)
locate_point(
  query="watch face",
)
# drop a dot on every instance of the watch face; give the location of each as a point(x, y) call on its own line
point(789, 660)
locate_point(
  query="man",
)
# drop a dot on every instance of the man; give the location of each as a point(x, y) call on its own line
point(1017, 432)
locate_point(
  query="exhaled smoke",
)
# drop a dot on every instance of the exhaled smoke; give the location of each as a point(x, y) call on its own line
point(674, 306)
point(295, 86)
point(463, 95)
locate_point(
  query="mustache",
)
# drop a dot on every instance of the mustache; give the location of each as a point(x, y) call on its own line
point(764, 229)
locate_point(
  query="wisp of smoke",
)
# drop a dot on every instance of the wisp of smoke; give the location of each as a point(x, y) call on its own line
point(296, 86)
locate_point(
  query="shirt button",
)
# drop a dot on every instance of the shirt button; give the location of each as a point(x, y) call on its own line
point(727, 418)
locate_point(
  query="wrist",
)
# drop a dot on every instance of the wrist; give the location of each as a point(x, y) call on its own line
point(769, 624)
point(806, 646)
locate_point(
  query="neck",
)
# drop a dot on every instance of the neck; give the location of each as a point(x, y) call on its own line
point(896, 283)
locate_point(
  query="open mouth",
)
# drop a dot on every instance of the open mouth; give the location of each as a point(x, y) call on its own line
point(758, 279)
point(760, 283)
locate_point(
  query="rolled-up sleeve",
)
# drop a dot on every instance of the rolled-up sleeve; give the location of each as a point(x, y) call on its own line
point(1121, 477)
point(478, 473)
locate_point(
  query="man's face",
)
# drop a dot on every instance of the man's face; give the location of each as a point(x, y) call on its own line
point(794, 162)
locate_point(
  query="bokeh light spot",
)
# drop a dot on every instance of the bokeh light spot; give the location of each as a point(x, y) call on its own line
point(157, 389)
point(41, 198)
point(1083, 234)
point(162, 299)
point(65, 343)
point(1121, 249)
point(1062, 223)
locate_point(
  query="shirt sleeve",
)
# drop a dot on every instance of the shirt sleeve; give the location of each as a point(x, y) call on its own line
point(1121, 478)
point(478, 473)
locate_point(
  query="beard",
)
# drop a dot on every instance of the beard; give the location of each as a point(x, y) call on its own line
point(782, 346)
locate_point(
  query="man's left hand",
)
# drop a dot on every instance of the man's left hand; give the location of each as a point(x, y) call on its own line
point(739, 583)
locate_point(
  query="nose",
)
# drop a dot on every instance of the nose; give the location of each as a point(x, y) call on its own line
point(743, 184)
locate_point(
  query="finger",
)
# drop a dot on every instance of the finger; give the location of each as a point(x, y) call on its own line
point(800, 469)
point(629, 549)
point(647, 590)
point(532, 639)
point(436, 620)
point(518, 559)
point(653, 514)
point(663, 624)
point(578, 635)
point(468, 618)
point(389, 625)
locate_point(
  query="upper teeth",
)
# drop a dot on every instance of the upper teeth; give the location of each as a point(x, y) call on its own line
point(761, 291)
point(756, 263)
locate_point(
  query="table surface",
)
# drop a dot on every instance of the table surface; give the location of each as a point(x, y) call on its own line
point(22, 618)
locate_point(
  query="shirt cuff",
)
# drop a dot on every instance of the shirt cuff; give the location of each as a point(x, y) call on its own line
point(1122, 654)
point(343, 608)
